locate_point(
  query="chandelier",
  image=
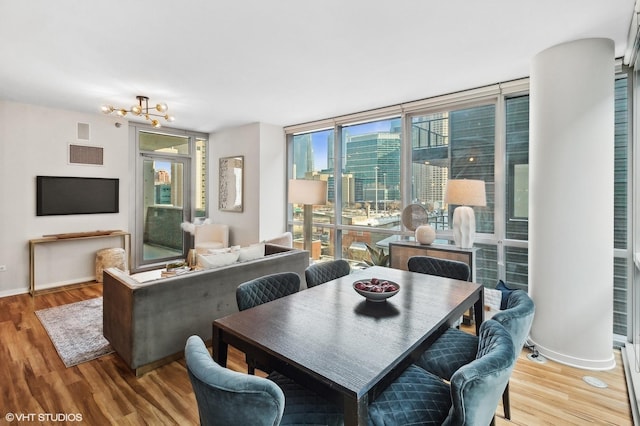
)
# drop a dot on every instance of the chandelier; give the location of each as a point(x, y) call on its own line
point(141, 110)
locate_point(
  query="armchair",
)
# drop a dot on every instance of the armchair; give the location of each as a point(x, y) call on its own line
point(210, 236)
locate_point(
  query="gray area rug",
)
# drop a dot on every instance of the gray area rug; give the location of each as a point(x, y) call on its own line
point(76, 330)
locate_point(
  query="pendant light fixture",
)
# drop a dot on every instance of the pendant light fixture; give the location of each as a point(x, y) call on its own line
point(142, 110)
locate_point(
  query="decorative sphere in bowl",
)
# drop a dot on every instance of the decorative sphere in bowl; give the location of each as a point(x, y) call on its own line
point(376, 290)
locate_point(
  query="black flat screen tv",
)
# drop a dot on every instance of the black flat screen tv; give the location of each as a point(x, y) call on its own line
point(60, 195)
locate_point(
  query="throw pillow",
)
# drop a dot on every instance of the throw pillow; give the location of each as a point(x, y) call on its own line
point(252, 252)
point(506, 292)
point(217, 260)
point(492, 300)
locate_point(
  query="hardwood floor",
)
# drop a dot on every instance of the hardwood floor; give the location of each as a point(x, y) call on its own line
point(104, 391)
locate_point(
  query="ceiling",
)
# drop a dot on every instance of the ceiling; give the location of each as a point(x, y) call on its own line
point(222, 64)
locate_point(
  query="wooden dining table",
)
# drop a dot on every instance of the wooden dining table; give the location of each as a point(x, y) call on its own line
point(348, 349)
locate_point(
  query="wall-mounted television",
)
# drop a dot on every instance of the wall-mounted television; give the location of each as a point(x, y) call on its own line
point(63, 195)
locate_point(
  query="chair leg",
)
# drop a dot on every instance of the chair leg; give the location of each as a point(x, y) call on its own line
point(506, 403)
point(493, 421)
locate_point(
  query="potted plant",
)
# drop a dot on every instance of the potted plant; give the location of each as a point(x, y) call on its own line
point(378, 257)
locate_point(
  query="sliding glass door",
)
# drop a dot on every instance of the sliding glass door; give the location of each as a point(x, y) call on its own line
point(171, 188)
point(165, 204)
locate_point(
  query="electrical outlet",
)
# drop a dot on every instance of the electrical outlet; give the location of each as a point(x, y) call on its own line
point(3, 268)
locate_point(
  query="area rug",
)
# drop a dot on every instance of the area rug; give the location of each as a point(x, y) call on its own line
point(76, 330)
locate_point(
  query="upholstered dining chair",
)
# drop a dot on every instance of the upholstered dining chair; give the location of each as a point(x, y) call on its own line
point(227, 397)
point(321, 272)
point(265, 289)
point(440, 267)
point(455, 348)
point(471, 397)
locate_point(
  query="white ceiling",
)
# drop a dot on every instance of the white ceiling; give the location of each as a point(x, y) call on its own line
point(219, 64)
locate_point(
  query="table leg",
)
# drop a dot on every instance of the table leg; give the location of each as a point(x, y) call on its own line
point(478, 311)
point(219, 347)
point(356, 411)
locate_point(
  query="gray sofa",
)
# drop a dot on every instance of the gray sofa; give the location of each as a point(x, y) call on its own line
point(148, 323)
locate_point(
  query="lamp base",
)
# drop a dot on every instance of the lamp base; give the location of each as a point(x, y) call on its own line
point(308, 222)
point(464, 227)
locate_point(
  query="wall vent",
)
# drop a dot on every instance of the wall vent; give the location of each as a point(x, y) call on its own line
point(83, 131)
point(79, 154)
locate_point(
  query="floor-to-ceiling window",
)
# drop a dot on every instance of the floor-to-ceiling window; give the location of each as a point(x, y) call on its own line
point(622, 262)
point(516, 178)
point(457, 142)
point(313, 159)
point(388, 163)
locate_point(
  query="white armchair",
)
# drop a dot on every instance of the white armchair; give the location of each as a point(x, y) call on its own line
point(210, 236)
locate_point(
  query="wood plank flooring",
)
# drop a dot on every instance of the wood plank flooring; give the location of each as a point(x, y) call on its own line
point(104, 391)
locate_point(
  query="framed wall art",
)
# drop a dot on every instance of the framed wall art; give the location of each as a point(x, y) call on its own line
point(231, 190)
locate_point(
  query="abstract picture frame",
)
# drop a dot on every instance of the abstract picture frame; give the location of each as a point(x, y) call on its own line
point(231, 184)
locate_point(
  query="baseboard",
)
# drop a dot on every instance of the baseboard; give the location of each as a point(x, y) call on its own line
point(14, 292)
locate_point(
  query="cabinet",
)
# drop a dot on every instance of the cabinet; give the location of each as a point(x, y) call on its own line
point(400, 251)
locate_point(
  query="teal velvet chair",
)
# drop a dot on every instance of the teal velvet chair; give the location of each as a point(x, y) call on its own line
point(471, 397)
point(456, 348)
point(229, 398)
point(262, 290)
point(265, 289)
point(321, 272)
point(440, 267)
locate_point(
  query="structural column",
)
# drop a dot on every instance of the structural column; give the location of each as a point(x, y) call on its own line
point(571, 178)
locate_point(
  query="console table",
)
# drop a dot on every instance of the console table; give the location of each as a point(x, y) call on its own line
point(57, 238)
point(400, 251)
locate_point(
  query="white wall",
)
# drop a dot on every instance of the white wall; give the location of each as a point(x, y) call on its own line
point(273, 178)
point(35, 141)
point(263, 147)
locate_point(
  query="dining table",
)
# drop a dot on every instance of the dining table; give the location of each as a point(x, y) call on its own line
point(343, 346)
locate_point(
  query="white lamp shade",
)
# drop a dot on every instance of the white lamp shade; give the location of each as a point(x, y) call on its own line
point(465, 192)
point(310, 192)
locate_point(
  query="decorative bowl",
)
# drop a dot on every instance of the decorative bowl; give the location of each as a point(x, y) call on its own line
point(376, 290)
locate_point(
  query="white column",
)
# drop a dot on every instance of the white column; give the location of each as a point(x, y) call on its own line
point(571, 168)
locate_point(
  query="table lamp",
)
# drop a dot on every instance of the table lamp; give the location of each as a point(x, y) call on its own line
point(465, 193)
point(308, 193)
